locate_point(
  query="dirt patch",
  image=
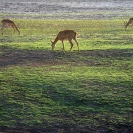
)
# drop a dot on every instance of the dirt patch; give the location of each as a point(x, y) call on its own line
point(28, 58)
point(10, 57)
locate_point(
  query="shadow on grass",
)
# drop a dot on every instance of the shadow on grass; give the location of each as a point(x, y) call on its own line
point(15, 57)
point(64, 129)
point(10, 56)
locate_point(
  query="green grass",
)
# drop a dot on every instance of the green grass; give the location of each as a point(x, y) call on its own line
point(91, 90)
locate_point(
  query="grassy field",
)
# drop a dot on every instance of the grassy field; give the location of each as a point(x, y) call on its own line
point(45, 91)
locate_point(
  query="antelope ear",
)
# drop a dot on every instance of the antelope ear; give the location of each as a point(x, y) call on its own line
point(51, 41)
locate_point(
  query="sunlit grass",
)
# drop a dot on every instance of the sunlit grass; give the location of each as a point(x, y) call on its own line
point(94, 34)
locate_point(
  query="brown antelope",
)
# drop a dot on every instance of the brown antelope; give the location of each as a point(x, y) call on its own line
point(9, 23)
point(129, 22)
point(65, 35)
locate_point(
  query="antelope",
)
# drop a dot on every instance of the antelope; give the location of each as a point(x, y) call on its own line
point(66, 35)
point(129, 22)
point(9, 23)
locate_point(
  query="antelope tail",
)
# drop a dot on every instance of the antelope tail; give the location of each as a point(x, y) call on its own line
point(77, 34)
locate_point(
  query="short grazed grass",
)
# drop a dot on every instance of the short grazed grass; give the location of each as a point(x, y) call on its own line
point(51, 91)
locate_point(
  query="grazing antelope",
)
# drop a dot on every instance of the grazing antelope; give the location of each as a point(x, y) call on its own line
point(65, 35)
point(129, 22)
point(9, 23)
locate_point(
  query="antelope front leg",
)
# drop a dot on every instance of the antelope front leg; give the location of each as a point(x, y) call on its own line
point(63, 46)
point(2, 30)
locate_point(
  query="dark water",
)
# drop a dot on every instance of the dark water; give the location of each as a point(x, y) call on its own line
point(66, 9)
